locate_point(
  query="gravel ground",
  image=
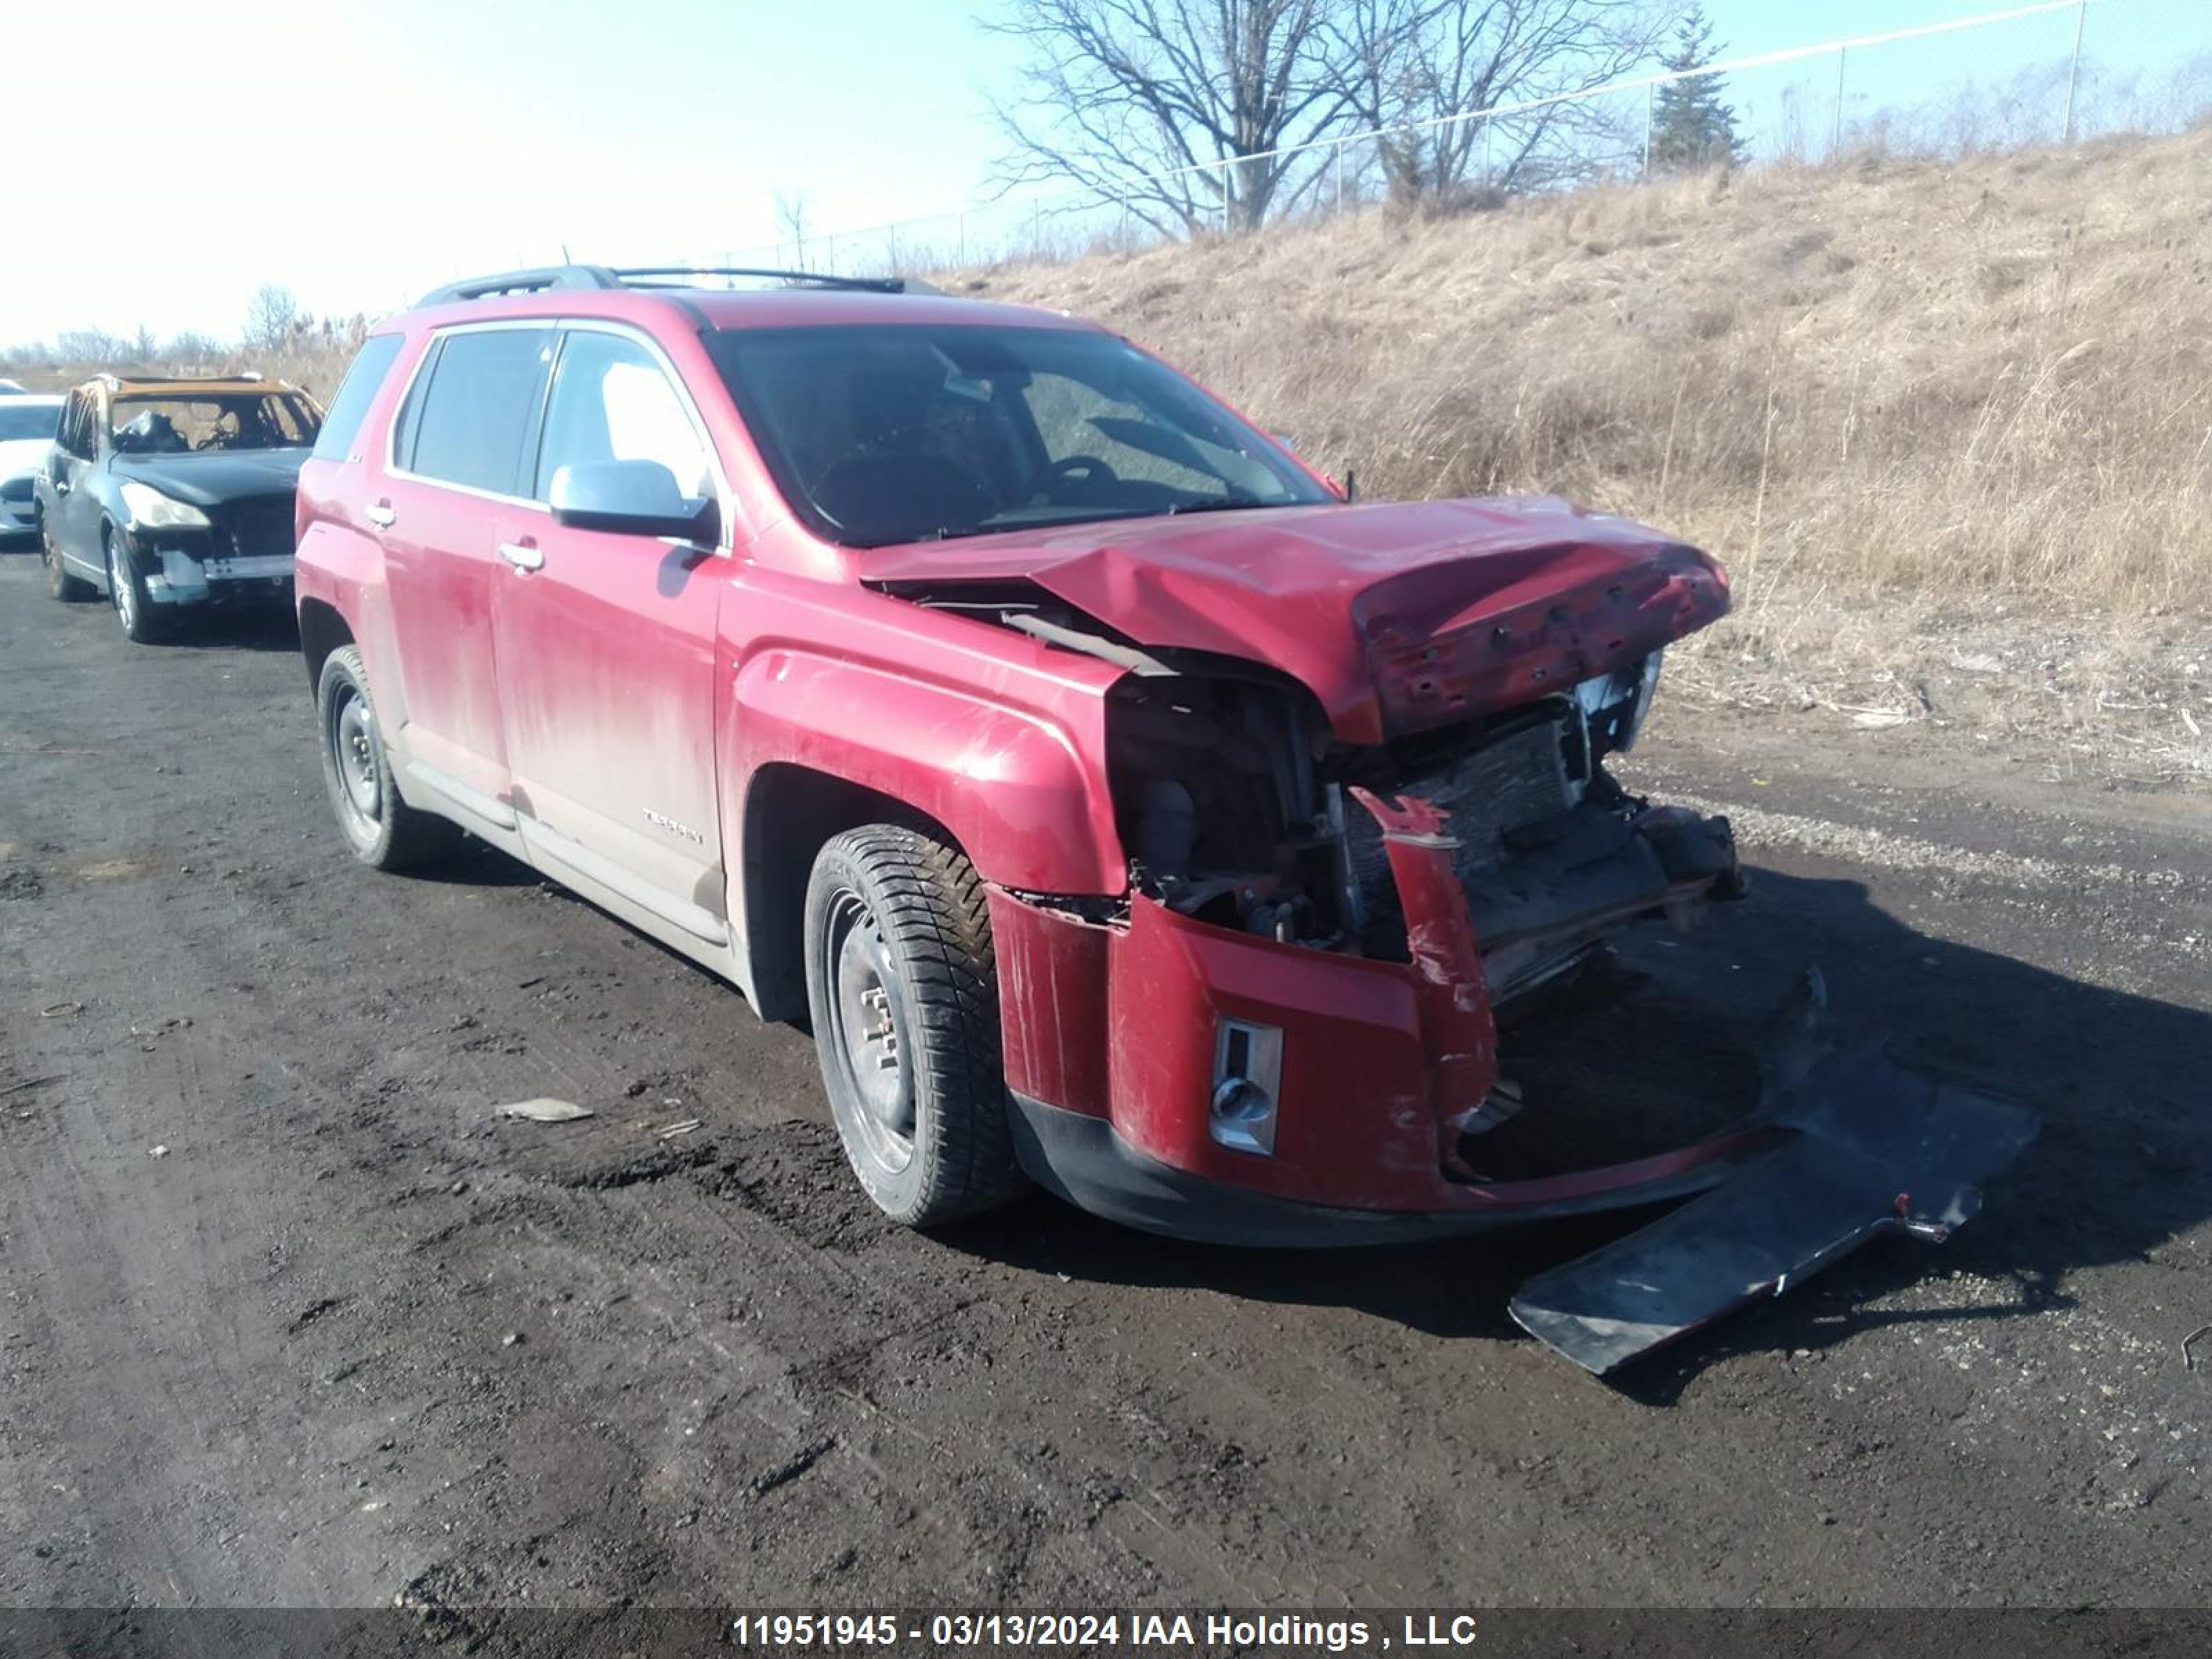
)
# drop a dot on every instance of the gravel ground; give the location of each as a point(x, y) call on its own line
point(287, 1316)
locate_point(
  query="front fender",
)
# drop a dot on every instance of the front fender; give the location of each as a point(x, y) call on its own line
point(1011, 785)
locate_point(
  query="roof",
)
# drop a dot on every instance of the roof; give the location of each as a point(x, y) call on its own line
point(212, 386)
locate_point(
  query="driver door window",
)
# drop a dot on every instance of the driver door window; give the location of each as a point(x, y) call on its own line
point(611, 402)
point(75, 428)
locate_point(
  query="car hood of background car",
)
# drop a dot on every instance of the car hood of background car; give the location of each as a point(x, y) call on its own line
point(1398, 616)
point(21, 455)
point(213, 478)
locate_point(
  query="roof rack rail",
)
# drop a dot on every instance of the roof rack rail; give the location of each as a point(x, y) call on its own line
point(549, 278)
point(671, 276)
point(536, 279)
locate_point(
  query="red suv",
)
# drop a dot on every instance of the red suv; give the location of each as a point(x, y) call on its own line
point(1129, 811)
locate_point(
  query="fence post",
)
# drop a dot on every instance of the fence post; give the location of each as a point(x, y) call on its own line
point(1339, 174)
point(1836, 136)
point(2074, 69)
point(1651, 93)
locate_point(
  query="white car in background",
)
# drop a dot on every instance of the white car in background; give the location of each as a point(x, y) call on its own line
point(27, 422)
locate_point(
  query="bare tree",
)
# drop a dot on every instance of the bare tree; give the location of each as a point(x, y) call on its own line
point(1413, 63)
point(1177, 109)
point(791, 214)
point(91, 345)
point(271, 315)
point(192, 350)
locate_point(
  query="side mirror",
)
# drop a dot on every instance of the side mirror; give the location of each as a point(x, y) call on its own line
point(631, 498)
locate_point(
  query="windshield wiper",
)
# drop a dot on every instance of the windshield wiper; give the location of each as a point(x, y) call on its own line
point(1214, 504)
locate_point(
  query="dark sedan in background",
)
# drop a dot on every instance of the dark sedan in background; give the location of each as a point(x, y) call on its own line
point(165, 494)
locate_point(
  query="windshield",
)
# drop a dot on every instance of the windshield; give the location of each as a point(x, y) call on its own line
point(879, 434)
point(228, 420)
point(28, 419)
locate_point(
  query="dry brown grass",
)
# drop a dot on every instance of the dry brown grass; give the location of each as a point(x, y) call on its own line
point(1948, 393)
point(315, 357)
point(1995, 375)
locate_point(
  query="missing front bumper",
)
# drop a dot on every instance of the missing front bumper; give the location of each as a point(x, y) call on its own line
point(1874, 1149)
point(175, 576)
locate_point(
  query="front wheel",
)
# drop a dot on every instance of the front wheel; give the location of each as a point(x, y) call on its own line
point(143, 621)
point(69, 590)
point(382, 830)
point(904, 993)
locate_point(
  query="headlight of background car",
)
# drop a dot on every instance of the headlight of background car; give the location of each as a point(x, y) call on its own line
point(151, 509)
point(1614, 704)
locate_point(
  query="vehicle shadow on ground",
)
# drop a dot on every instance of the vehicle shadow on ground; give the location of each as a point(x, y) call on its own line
point(2123, 1161)
point(236, 628)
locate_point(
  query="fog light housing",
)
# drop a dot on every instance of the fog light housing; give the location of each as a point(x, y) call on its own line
point(1247, 1074)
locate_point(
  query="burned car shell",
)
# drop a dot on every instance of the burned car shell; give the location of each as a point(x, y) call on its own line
point(233, 542)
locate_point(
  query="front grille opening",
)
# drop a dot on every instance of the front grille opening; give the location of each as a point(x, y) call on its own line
point(1506, 789)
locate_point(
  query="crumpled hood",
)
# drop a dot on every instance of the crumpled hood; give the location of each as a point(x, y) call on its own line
point(1396, 616)
point(216, 477)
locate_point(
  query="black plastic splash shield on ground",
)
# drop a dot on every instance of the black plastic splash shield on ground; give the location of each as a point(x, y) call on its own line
point(1878, 1147)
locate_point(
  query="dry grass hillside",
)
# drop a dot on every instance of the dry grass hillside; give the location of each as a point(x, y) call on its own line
point(1949, 424)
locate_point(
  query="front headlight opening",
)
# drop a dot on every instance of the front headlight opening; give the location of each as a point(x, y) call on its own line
point(149, 509)
point(1614, 705)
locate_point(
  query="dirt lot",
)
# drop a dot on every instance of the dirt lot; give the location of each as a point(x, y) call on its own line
point(286, 1315)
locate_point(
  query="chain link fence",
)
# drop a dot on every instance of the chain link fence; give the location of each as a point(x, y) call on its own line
point(2058, 71)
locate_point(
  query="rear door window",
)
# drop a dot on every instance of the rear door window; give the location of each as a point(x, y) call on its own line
point(611, 401)
point(480, 408)
point(341, 421)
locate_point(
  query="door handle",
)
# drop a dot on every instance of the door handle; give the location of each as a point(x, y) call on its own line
point(61, 486)
point(380, 515)
point(522, 556)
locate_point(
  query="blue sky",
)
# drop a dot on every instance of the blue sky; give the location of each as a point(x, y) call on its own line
point(361, 151)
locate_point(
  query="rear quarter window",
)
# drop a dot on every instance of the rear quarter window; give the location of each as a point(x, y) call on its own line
point(364, 380)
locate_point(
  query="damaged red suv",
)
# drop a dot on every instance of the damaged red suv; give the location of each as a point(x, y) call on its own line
point(1129, 813)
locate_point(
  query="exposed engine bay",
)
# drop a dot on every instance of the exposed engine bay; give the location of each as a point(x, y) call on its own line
point(1239, 809)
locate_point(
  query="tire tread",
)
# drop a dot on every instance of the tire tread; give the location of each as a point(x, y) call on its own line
point(409, 838)
point(933, 906)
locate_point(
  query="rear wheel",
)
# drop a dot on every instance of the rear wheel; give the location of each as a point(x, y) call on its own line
point(69, 590)
point(904, 993)
point(383, 830)
point(143, 621)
